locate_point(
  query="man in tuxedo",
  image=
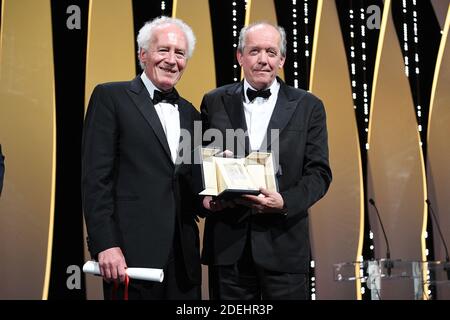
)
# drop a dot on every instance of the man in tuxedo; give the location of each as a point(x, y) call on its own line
point(258, 247)
point(137, 197)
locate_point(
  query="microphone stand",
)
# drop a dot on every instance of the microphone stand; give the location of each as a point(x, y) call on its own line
point(436, 222)
point(388, 263)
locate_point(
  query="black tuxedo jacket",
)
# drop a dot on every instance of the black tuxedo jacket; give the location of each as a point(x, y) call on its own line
point(279, 242)
point(132, 191)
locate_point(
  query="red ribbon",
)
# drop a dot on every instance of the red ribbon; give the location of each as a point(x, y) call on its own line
point(116, 288)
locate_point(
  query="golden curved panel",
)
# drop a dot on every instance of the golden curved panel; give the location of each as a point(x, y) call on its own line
point(27, 131)
point(200, 74)
point(396, 173)
point(110, 57)
point(439, 149)
point(262, 10)
point(337, 221)
point(110, 48)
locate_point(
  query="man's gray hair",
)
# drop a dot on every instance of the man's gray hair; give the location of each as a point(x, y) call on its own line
point(146, 33)
point(244, 30)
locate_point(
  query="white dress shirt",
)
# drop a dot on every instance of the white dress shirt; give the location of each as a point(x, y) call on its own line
point(169, 116)
point(258, 114)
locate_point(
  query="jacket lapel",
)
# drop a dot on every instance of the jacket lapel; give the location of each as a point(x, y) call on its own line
point(234, 107)
point(141, 99)
point(185, 123)
point(282, 113)
point(184, 116)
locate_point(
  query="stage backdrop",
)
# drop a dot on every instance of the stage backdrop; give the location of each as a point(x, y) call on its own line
point(381, 68)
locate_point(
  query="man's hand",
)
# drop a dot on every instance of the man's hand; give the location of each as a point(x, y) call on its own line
point(112, 264)
point(266, 202)
point(215, 205)
point(226, 154)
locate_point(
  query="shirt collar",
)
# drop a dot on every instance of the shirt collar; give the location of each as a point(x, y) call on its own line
point(273, 88)
point(148, 84)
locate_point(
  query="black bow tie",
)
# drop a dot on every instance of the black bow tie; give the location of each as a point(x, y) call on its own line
point(253, 94)
point(167, 97)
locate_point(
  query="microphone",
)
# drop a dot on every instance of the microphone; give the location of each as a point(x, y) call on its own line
point(447, 259)
point(388, 264)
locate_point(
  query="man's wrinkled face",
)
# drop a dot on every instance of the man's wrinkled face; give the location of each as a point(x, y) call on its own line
point(166, 57)
point(261, 57)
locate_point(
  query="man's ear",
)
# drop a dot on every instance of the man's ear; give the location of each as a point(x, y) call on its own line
point(143, 55)
point(282, 60)
point(239, 57)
